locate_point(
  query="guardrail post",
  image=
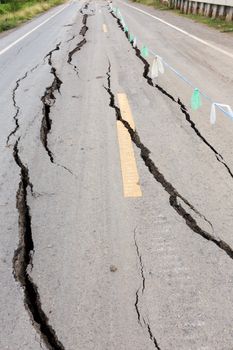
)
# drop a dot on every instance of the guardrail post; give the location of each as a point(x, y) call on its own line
point(215, 11)
point(222, 12)
point(201, 8)
point(229, 15)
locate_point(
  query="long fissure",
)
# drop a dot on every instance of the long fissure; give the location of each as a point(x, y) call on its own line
point(181, 105)
point(78, 47)
point(22, 259)
point(174, 195)
point(48, 100)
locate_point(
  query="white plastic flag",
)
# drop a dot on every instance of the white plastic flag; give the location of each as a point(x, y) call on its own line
point(154, 69)
point(226, 108)
point(160, 64)
point(213, 114)
point(135, 42)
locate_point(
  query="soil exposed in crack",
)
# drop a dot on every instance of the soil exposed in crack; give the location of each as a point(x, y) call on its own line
point(174, 195)
point(84, 28)
point(48, 100)
point(78, 47)
point(183, 108)
point(23, 259)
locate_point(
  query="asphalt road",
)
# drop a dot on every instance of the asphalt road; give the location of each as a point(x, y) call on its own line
point(115, 226)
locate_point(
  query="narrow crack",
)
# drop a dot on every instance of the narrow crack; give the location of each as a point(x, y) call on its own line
point(140, 262)
point(16, 106)
point(137, 307)
point(72, 38)
point(141, 290)
point(23, 259)
point(218, 156)
point(174, 195)
point(143, 285)
point(152, 338)
point(183, 108)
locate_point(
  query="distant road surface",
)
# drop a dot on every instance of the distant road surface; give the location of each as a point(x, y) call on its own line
point(116, 199)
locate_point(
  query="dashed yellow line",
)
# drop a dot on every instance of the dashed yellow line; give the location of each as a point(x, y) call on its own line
point(129, 170)
point(105, 29)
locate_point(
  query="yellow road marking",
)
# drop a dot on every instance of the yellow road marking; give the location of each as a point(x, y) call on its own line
point(129, 170)
point(105, 30)
point(125, 109)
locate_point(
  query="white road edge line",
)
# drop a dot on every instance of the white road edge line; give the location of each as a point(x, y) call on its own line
point(31, 31)
point(181, 31)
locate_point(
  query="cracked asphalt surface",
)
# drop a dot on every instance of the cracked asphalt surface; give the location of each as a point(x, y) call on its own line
point(82, 266)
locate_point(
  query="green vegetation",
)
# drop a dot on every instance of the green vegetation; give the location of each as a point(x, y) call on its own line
point(15, 12)
point(217, 23)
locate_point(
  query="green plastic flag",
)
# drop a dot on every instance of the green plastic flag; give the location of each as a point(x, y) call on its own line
point(126, 29)
point(131, 38)
point(196, 99)
point(144, 51)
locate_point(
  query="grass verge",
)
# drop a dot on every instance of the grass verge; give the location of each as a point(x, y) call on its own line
point(13, 13)
point(217, 23)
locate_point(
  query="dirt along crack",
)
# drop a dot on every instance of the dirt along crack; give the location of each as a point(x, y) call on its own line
point(48, 100)
point(174, 195)
point(78, 47)
point(23, 258)
point(181, 105)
